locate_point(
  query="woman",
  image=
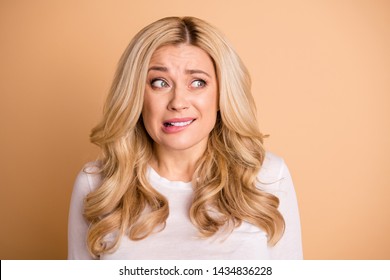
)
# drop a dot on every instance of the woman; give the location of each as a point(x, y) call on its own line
point(183, 173)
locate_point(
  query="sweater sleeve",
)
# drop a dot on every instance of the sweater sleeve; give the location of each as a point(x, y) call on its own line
point(77, 224)
point(290, 245)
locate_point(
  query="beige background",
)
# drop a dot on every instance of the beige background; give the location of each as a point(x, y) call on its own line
point(321, 79)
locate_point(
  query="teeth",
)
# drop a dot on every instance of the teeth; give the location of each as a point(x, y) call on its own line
point(180, 123)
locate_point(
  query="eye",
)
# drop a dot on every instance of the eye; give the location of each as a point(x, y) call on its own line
point(159, 83)
point(198, 84)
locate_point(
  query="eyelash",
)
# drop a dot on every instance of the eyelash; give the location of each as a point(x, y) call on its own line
point(204, 83)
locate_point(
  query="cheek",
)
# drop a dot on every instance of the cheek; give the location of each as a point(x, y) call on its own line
point(210, 102)
point(208, 107)
point(152, 113)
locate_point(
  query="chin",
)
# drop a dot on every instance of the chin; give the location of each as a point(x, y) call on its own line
point(184, 144)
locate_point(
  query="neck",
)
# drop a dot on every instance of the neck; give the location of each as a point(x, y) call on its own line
point(176, 165)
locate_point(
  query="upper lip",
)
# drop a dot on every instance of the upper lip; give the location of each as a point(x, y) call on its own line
point(175, 120)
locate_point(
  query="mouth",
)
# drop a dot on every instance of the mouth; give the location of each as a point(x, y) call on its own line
point(178, 123)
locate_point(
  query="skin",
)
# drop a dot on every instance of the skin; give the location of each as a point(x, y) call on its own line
point(181, 87)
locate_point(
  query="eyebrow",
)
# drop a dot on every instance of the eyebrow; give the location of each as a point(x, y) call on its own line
point(188, 71)
point(158, 68)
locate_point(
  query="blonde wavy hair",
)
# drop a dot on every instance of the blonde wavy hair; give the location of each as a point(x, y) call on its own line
point(226, 174)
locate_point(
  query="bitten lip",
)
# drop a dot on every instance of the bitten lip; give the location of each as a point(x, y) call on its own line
point(177, 124)
point(176, 120)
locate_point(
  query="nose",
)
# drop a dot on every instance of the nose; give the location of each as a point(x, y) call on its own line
point(179, 100)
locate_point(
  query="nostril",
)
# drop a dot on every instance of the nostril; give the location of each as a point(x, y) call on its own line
point(179, 107)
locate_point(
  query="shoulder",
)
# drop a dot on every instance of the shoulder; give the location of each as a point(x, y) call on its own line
point(273, 173)
point(272, 168)
point(89, 178)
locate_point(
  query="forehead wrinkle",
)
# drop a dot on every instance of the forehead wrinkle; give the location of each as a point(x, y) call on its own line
point(169, 60)
point(187, 71)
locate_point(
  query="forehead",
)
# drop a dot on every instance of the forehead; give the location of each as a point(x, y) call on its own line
point(181, 55)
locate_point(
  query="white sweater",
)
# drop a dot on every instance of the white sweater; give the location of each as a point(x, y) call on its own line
point(180, 239)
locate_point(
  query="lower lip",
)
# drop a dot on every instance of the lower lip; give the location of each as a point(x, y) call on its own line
point(175, 129)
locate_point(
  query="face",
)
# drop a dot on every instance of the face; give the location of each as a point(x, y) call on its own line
point(181, 98)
